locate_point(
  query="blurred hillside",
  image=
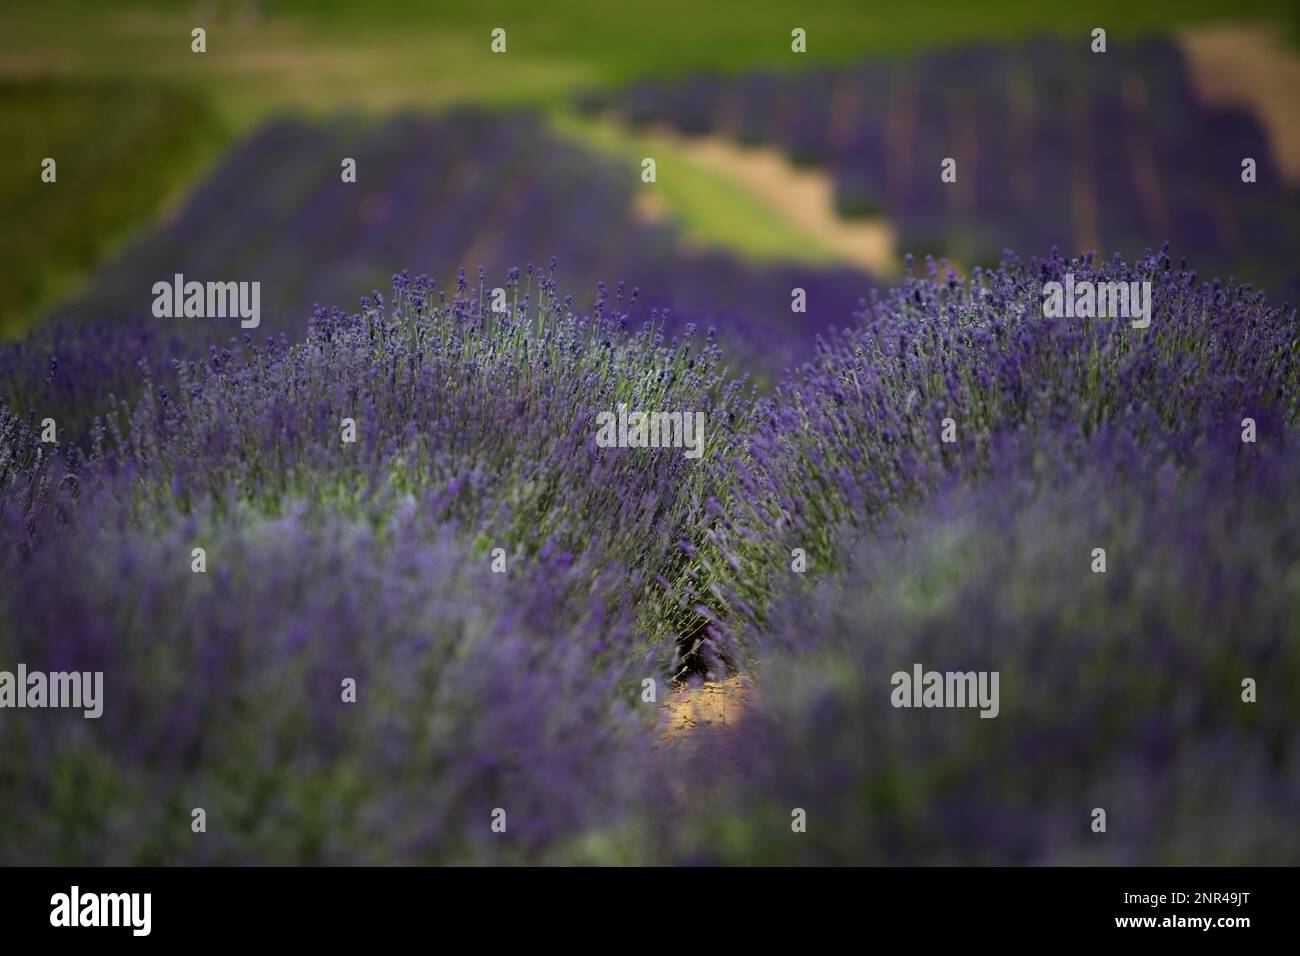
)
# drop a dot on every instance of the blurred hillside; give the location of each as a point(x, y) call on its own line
point(133, 116)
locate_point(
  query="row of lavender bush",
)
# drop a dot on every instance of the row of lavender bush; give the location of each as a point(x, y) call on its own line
point(1120, 691)
point(1034, 127)
point(329, 560)
point(508, 190)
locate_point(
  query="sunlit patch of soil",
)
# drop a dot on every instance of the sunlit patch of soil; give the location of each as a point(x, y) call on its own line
point(703, 715)
point(1250, 66)
point(711, 707)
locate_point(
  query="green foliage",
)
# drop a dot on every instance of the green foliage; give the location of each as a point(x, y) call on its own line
point(121, 150)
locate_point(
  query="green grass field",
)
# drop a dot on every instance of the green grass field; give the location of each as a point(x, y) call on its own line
point(709, 208)
point(132, 115)
point(123, 152)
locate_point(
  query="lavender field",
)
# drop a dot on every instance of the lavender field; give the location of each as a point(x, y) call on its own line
point(372, 561)
point(406, 510)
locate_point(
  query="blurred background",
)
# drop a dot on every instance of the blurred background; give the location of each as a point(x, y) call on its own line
point(774, 169)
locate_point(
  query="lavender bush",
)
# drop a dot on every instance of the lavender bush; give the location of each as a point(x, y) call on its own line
point(486, 418)
point(855, 436)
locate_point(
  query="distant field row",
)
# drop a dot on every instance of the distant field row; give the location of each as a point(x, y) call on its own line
point(470, 187)
point(1049, 144)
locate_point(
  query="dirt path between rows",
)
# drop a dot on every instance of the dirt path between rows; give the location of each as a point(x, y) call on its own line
point(711, 707)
